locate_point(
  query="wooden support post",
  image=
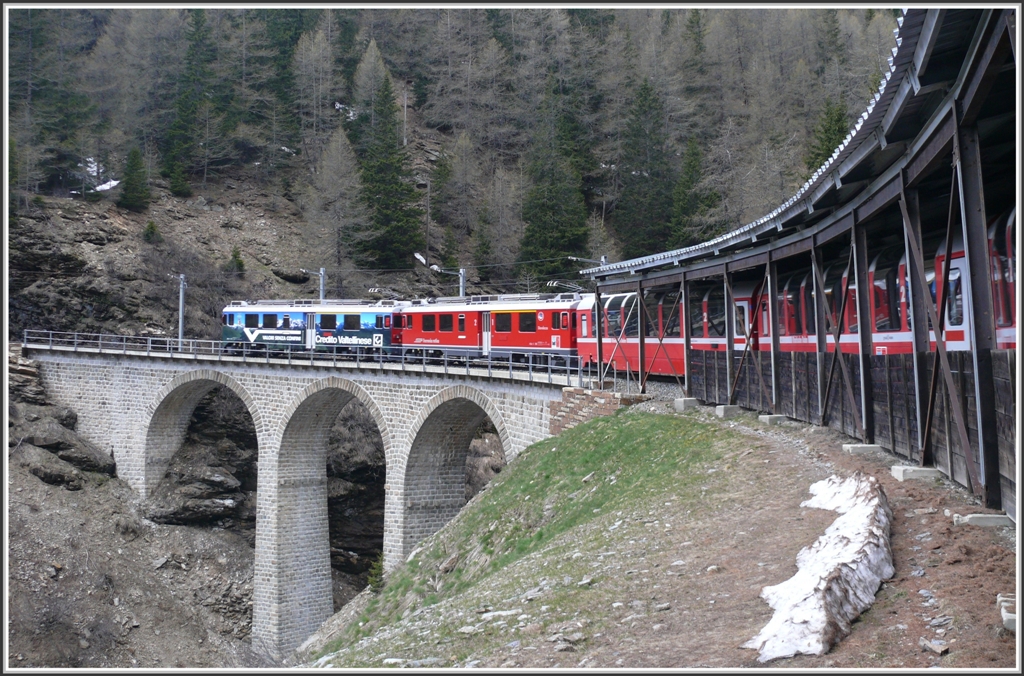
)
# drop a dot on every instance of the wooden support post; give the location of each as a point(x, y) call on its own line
point(981, 323)
point(819, 328)
point(730, 329)
point(865, 326)
point(599, 329)
point(773, 326)
point(641, 336)
point(917, 315)
point(685, 322)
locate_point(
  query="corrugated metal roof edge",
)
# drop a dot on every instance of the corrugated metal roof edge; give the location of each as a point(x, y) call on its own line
point(899, 61)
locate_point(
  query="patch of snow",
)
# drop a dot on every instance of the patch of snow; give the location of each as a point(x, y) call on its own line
point(837, 576)
point(108, 185)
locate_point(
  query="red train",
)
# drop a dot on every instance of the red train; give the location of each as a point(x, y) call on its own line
point(538, 328)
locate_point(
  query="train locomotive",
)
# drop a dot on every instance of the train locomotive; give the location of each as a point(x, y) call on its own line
point(557, 328)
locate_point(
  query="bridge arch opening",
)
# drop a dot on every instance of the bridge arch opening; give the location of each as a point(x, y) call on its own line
point(191, 406)
point(320, 526)
point(458, 443)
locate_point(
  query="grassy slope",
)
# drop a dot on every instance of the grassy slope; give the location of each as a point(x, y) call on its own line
point(541, 525)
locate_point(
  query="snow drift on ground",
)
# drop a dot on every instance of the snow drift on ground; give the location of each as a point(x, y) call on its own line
point(837, 576)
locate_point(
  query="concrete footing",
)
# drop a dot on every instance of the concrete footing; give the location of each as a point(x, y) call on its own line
point(986, 520)
point(1007, 604)
point(772, 419)
point(904, 472)
point(858, 449)
point(685, 404)
point(728, 411)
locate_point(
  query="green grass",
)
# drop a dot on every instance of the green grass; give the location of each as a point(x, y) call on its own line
point(626, 459)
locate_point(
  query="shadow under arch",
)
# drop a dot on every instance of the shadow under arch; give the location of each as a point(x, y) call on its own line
point(168, 416)
point(435, 470)
point(292, 593)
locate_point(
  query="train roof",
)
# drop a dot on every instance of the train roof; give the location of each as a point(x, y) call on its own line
point(312, 304)
point(519, 301)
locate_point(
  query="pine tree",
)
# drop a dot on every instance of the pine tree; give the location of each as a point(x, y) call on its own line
point(643, 215)
point(396, 231)
point(693, 205)
point(181, 137)
point(828, 134)
point(134, 191)
point(556, 219)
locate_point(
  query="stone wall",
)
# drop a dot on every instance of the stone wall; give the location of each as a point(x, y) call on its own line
point(579, 405)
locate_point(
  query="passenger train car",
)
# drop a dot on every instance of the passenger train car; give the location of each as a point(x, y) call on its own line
point(537, 328)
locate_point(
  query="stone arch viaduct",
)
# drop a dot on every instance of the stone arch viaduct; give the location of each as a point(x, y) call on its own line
point(137, 406)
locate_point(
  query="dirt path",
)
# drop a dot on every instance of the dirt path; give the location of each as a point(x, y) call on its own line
point(710, 571)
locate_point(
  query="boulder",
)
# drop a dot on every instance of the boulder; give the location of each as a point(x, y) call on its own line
point(291, 275)
point(47, 467)
point(49, 434)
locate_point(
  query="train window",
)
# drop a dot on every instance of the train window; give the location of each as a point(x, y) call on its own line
point(716, 312)
point(387, 321)
point(445, 322)
point(573, 315)
point(328, 322)
point(462, 323)
point(408, 321)
point(527, 322)
point(503, 322)
point(809, 309)
point(227, 320)
point(593, 324)
point(583, 324)
point(613, 315)
point(556, 321)
point(955, 302)
point(252, 321)
point(852, 324)
point(741, 326)
point(631, 316)
point(696, 319)
point(378, 322)
point(429, 323)
point(651, 303)
point(270, 321)
point(351, 323)
point(286, 322)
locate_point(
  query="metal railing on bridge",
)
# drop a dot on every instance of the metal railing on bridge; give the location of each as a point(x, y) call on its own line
point(565, 370)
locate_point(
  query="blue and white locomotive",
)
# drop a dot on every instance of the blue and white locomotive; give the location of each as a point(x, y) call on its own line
point(305, 325)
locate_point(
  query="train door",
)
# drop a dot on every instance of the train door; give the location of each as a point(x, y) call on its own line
point(485, 333)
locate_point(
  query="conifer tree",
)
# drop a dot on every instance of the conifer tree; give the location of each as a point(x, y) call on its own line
point(692, 205)
point(182, 135)
point(134, 191)
point(396, 231)
point(643, 214)
point(555, 217)
point(828, 134)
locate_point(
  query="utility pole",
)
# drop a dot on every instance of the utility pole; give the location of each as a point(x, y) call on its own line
point(323, 280)
point(426, 230)
point(181, 308)
point(405, 111)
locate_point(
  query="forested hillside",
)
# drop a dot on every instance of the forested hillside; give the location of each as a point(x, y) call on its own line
point(522, 135)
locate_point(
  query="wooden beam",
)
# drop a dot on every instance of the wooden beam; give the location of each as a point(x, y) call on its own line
point(982, 324)
point(599, 328)
point(773, 324)
point(882, 198)
point(990, 61)
point(705, 271)
point(819, 326)
point(641, 335)
point(926, 160)
point(865, 326)
point(917, 315)
point(730, 329)
point(926, 39)
point(837, 229)
point(685, 321)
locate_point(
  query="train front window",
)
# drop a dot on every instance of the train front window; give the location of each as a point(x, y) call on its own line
point(328, 322)
point(351, 323)
point(503, 322)
point(527, 322)
point(955, 302)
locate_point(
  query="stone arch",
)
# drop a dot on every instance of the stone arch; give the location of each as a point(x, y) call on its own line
point(167, 417)
point(435, 468)
point(292, 594)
